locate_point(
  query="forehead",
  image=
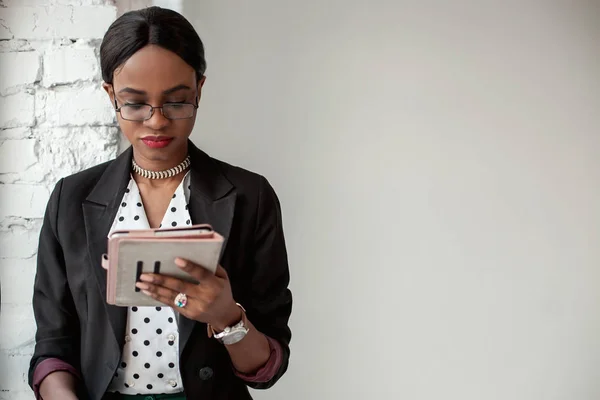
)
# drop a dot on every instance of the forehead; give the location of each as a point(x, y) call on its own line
point(154, 69)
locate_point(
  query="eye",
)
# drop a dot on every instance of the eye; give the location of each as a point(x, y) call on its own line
point(176, 105)
point(135, 106)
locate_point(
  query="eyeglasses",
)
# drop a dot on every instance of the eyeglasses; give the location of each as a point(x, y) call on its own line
point(143, 112)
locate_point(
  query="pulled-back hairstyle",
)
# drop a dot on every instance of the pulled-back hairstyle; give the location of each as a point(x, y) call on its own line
point(153, 25)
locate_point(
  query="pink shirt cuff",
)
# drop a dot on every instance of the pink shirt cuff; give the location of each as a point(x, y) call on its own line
point(45, 368)
point(267, 371)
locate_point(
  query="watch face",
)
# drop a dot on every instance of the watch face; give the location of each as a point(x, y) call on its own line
point(235, 336)
point(238, 335)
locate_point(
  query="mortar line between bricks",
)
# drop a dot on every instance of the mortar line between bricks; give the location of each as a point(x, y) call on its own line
point(7, 28)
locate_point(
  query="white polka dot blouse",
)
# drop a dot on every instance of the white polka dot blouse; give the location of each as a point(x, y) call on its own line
point(150, 358)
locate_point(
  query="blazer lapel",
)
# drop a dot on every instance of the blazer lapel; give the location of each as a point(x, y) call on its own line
point(99, 211)
point(212, 201)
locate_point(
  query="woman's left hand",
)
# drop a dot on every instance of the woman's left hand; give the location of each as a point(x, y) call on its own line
point(210, 301)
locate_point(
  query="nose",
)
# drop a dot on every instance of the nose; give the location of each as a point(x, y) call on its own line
point(157, 121)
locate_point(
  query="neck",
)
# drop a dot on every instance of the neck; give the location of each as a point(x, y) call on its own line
point(159, 164)
point(166, 171)
point(159, 183)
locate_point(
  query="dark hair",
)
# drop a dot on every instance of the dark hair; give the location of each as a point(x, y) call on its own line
point(153, 25)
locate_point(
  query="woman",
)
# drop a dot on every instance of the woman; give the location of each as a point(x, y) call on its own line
point(209, 341)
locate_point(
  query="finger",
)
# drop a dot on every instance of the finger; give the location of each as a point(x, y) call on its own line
point(167, 297)
point(195, 270)
point(159, 293)
point(221, 273)
point(168, 282)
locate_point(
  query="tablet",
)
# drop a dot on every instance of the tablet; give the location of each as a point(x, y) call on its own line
point(134, 252)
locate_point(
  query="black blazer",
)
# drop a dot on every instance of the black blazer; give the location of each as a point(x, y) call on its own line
point(74, 322)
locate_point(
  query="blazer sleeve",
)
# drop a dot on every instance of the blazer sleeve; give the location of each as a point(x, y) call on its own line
point(57, 334)
point(270, 298)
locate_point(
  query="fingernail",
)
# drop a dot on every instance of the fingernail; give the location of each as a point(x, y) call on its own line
point(147, 293)
point(146, 278)
point(142, 285)
point(180, 263)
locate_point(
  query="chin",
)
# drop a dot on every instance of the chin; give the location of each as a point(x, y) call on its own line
point(161, 152)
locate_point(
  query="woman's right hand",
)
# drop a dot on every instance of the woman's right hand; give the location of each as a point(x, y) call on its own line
point(59, 385)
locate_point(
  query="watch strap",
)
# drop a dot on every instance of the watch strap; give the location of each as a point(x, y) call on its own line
point(243, 323)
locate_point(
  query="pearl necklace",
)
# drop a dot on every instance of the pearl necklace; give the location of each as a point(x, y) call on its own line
point(169, 173)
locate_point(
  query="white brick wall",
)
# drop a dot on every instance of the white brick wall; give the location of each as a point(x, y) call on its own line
point(69, 64)
point(54, 120)
point(25, 148)
point(18, 69)
point(17, 110)
point(76, 105)
point(40, 23)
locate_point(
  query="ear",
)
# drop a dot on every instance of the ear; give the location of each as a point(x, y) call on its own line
point(201, 83)
point(199, 88)
point(110, 90)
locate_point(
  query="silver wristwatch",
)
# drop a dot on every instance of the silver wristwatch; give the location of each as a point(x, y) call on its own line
point(232, 334)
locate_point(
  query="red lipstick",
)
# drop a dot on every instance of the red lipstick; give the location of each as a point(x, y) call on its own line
point(157, 142)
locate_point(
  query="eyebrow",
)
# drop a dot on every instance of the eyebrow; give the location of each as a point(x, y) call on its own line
point(166, 92)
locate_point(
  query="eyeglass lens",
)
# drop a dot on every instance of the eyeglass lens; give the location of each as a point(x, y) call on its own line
point(143, 112)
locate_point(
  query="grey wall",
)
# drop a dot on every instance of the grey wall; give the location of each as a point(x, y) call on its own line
point(437, 163)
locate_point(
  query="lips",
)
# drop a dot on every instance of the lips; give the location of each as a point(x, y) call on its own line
point(157, 142)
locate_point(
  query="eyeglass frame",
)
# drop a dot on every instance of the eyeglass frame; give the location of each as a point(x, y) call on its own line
point(152, 108)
